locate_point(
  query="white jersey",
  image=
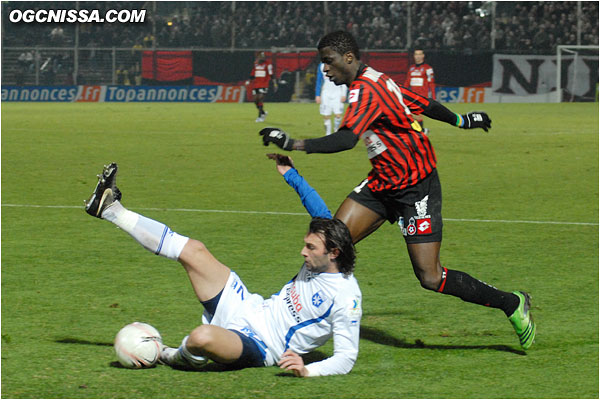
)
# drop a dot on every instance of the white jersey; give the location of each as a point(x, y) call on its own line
point(331, 94)
point(308, 310)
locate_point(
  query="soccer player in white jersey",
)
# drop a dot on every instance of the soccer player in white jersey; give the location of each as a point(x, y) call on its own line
point(242, 329)
point(330, 99)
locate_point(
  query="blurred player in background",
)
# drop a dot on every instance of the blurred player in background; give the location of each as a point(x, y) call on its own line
point(330, 99)
point(241, 329)
point(403, 186)
point(420, 80)
point(261, 75)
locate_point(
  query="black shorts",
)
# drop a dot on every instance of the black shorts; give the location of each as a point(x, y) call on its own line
point(260, 90)
point(416, 209)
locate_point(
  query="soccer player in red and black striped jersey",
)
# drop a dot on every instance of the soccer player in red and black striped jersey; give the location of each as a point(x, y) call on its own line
point(403, 185)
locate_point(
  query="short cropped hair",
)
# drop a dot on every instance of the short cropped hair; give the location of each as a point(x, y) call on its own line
point(337, 236)
point(340, 41)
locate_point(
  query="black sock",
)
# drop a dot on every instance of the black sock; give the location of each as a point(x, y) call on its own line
point(260, 111)
point(464, 286)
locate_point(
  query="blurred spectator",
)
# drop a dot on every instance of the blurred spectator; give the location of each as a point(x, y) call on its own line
point(520, 26)
point(57, 36)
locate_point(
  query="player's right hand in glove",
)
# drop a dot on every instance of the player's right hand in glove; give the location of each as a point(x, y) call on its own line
point(278, 137)
point(476, 119)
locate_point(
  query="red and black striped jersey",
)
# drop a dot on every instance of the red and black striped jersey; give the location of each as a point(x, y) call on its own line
point(379, 112)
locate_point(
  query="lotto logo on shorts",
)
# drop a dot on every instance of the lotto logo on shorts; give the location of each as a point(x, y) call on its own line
point(423, 226)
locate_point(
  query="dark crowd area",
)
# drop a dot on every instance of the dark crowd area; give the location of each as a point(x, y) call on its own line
point(520, 27)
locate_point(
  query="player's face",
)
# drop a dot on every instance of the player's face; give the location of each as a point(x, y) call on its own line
point(337, 67)
point(315, 254)
point(419, 56)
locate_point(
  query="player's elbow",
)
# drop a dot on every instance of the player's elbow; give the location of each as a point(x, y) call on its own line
point(347, 361)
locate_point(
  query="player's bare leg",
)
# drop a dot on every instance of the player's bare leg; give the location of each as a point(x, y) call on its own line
point(207, 275)
point(425, 259)
point(214, 342)
point(360, 220)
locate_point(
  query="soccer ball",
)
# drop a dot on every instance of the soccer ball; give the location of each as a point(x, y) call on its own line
point(138, 345)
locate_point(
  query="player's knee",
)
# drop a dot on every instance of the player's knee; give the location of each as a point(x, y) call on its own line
point(196, 246)
point(194, 252)
point(200, 338)
point(429, 280)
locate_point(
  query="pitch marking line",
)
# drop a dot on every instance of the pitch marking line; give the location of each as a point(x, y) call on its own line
point(505, 221)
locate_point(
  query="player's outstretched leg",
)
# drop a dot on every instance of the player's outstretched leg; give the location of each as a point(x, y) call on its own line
point(153, 235)
point(105, 193)
point(431, 274)
point(522, 320)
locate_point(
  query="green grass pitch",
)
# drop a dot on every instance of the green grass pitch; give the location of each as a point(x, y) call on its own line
point(520, 208)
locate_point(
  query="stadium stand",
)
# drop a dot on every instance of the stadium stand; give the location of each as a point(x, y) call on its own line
point(521, 26)
point(45, 53)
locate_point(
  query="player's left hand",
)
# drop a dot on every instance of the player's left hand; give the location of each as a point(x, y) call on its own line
point(293, 362)
point(277, 136)
point(284, 163)
point(476, 119)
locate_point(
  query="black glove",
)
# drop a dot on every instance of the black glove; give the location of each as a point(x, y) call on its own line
point(476, 119)
point(277, 136)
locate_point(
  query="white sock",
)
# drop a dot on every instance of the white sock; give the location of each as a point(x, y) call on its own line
point(327, 124)
point(337, 121)
point(153, 235)
point(194, 360)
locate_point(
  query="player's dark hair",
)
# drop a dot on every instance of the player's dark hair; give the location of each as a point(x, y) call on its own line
point(340, 41)
point(337, 236)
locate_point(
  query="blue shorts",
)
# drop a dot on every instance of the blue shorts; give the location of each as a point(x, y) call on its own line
point(252, 356)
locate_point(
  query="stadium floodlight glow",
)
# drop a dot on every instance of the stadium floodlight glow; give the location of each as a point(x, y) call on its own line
point(574, 53)
point(485, 9)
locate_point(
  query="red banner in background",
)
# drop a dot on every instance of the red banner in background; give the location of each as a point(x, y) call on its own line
point(394, 65)
point(167, 66)
point(170, 66)
point(292, 62)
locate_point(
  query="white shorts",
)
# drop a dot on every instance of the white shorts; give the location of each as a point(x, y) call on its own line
point(330, 106)
point(236, 308)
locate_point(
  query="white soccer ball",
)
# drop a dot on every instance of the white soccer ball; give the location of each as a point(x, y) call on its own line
point(138, 345)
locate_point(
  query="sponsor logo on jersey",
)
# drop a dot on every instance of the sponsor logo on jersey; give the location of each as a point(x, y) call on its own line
point(292, 300)
point(354, 312)
point(416, 81)
point(353, 95)
point(374, 144)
